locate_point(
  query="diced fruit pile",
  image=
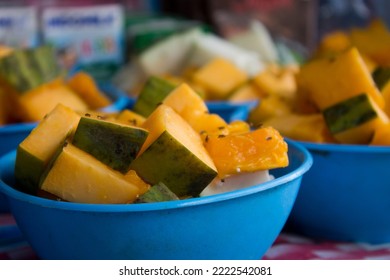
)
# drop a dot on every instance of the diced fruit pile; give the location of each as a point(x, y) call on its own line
point(32, 83)
point(223, 69)
point(171, 150)
point(342, 93)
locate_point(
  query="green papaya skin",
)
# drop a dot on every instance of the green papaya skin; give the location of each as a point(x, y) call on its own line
point(113, 144)
point(28, 179)
point(167, 161)
point(26, 69)
point(157, 193)
point(152, 94)
point(381, 76)
point(30, 171)
point(349, 113)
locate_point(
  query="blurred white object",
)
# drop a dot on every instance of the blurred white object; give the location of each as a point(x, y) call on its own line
point(168, 55)
point(236, 182)
point(257, 39)
point(210, 46)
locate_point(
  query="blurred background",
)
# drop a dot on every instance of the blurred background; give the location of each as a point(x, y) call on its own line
point(130, 26)
point(122, 43)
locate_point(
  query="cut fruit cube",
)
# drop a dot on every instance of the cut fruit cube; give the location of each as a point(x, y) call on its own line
point(114, 144)
point(76, 176)
point(35, 152)
point(174, 155)
point(260, 149)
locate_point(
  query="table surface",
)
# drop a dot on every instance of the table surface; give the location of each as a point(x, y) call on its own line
point(288, 246)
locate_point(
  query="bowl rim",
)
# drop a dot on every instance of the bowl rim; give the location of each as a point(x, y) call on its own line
point(17, 127)
point(9, 191)
point(343, 148)
point(223, 105)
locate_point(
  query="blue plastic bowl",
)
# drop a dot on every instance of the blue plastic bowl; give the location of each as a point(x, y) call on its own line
point(232, 111)
point(119, 97)
point(13, 134)
point(10, 137)
point(345, 196)
point(241, 224)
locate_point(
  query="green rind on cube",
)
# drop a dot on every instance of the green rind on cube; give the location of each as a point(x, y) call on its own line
point(381, 76)
point(350, 113)
point(26, 69)
point(167, 161)
point(113, 144)
point(28, 171)
point(46, 62)
point(153, 93)
point(157, 193)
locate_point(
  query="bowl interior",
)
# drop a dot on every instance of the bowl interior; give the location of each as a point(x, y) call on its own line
point(300, 161)
point(232, 111)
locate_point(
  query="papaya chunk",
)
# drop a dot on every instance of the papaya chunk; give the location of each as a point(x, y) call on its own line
point(260, 149)
point(332, 80)
point(173, 154)
point(381, 136)
point(84, 85)
point(219, 77)
point(77, 176)
point(36, 103)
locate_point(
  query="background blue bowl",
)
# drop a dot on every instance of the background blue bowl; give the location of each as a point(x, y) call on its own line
point(231, 111)
point(241, 224)
point(119, 97)
point(13, 134)
point(345, 196)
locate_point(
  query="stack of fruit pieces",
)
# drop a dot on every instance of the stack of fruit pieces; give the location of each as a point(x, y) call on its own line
point(220, 80)
point(219, 69)
point(173, 150)
point(342, 93)
point(32, 83)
